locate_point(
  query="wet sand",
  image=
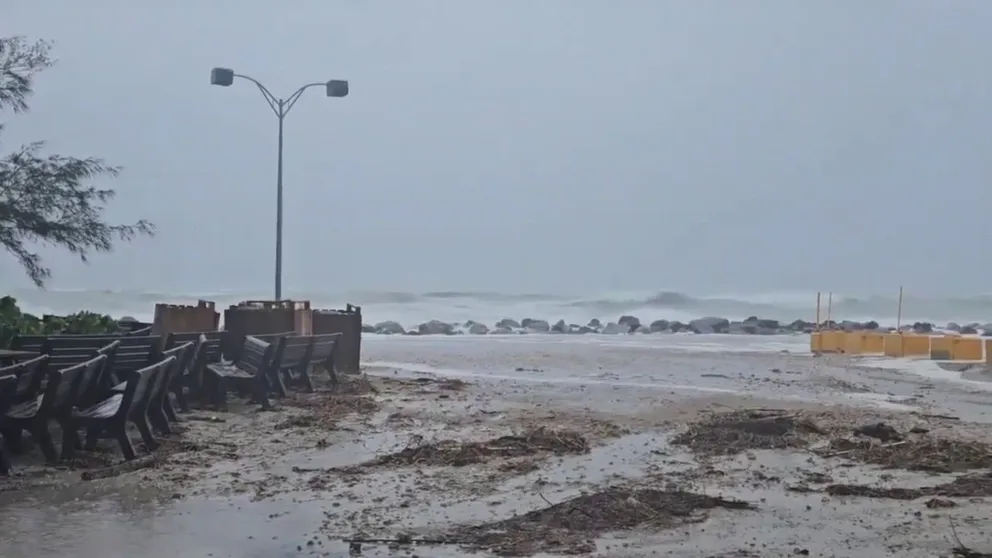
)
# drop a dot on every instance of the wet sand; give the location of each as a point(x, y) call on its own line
point(447, 441)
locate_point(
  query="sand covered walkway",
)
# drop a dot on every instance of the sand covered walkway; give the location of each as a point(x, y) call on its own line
point(514, 447)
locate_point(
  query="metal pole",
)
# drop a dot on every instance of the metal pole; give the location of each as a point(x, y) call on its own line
point(282, 116)
point(281, 108)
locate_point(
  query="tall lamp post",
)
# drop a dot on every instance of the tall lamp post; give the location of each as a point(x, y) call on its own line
point(224, 77)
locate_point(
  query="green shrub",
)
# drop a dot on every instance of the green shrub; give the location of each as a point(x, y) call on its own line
point(13, 322)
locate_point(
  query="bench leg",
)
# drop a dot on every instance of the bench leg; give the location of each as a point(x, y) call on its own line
point(332, 371)
point(170, 413)
point(262, 393)
point(220, 393)
point(4, 460)
point(146, 432)
point(120, 434)
point(15, 441)
point(306, 379)
point(39, 431)
point(155, 416)
point(181, 398)
point(278, 386)
point(70, 439)
point(92, 437)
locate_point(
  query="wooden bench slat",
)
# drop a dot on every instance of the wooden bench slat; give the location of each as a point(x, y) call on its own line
point(104, 409)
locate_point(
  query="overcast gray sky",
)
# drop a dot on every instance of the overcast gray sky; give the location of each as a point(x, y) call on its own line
point(530, 145)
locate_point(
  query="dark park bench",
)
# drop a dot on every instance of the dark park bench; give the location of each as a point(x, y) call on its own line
point(251, 371)
point(232, 343)
point(131, 354)
point(298, 356)
point(34, 343)
point(87, 390)
point(28, 385)
point(112, 414)
point(272, 376)
point(323, 356)
point(293, 357)
point(173, 339)
point(189, 384)
point(63, 390)
point(29, 343)
point(30, 376)
point(7, 385)
point(160, 409)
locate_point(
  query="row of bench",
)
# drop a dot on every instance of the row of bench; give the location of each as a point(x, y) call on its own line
point(35, 394)
point(269, 364)
point(99, 375)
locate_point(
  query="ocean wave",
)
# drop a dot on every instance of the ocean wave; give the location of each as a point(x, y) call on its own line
point(489, 306)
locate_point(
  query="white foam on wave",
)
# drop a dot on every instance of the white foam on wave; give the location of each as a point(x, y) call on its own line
point(690, 343)
point(926, 369)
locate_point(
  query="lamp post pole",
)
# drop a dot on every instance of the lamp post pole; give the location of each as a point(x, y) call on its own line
point(224, 77)
point(282, 118)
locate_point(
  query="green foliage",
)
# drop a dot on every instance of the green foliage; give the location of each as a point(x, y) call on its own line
point(44, 199)
point(14, 322)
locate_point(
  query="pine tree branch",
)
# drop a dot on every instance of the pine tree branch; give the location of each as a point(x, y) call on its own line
point(45, 199)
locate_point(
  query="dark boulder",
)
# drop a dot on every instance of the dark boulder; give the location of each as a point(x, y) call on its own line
point(632, 323)
point(710, 325)
point(658, 326)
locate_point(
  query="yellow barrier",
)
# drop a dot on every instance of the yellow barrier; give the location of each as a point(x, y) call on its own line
point(916, 345)
point(847, 342)
point(988, 351)
point(874, 343)
point(863, 343)
point(892, 345)
point(906, 344)
point(942, 348)
point(967, 348)
point(832, 341)
point(854, 343)
point(815, 342)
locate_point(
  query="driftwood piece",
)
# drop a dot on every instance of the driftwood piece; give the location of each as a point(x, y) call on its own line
point(202, 418)
point(142, 462)
point(933, 416)
point(845, 452)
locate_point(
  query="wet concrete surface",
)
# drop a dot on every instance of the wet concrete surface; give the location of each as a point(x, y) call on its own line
point(648, 389)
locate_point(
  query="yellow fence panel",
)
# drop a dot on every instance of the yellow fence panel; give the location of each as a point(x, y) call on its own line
point(815, 342)
point(916, 345)
point(832, 341)
point(874, 343)
point(864, 343)
point(854, 343)
point(988, 351)
point(892, 345)
point(967, 348)
point(942, 347)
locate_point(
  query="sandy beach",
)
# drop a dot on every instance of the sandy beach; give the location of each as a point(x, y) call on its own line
point(516, 446)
